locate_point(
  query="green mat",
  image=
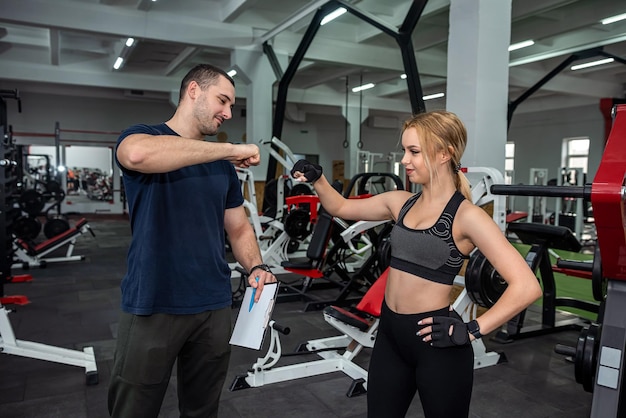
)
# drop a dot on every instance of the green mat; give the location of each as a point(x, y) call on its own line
point(568, 286)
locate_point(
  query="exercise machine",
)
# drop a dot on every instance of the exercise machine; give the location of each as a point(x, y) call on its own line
point(357, 329)
point(339, 248)
point(599, 351)
point(8, 343)
point(568, 210)
point(26, 254)
point(335, 353)
point(537, 205)
point(542, 238)
point(12, 346)
point(339, 255)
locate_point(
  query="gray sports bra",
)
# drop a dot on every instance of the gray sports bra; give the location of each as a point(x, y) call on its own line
point(428, 253)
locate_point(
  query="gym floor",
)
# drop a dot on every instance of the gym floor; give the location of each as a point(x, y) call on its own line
point(76, 304)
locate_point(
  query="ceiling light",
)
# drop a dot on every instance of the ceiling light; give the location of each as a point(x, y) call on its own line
point(613, 19)
point(333, 15)
point(521, 45)
point(591, 64)
point(130, 42)
point(403, 76)
point(433, 96)
point(118, 63)
point(232, 73)
point(363, 87)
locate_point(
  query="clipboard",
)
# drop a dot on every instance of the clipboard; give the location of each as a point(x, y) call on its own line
point(251, 324)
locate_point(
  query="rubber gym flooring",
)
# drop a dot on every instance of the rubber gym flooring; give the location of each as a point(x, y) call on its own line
point(75, 304)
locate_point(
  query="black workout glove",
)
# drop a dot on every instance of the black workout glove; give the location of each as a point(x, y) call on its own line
point(441, 332)
point(311, 171)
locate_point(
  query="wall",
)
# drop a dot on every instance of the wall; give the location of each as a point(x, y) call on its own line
point(41, 111)
point(325, 135)
point(538, 136)
point(538, 139)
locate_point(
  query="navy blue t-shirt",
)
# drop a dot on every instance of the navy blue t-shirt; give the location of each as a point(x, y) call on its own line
point(176, 260)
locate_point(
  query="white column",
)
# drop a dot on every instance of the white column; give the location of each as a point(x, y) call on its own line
point(478, 76)
point(255, 71)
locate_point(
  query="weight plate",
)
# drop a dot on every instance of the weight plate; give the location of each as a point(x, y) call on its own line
point(292, 246)
point(297, 224)
point(483, 283)
point(598, 282)
point(301, 189)
point(27, 228)
point(590, 357)
point(580, 353)
point(32, 202)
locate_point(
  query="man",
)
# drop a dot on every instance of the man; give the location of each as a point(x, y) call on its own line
point(183, 197)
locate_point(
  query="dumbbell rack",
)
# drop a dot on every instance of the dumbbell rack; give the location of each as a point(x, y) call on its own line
point(8, 343)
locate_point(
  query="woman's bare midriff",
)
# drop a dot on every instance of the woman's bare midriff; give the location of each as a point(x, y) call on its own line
point(409, 294)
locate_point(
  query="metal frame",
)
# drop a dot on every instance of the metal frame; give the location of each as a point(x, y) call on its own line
point(588, 53)
point(402, 37)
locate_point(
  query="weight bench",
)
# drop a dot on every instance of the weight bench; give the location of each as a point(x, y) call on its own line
point(337, 353)
point(542, 238)
point(516, 216)
point(26, 254)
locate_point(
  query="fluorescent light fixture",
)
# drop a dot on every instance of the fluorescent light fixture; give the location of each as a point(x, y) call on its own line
point(591, 64)
point(433, 96)
point(363, 87)
point(403, 76)
point(521, 45)
point(130, 42)
point(118, 63)
point(333, 15)
point(232, 73)
point(613, 19)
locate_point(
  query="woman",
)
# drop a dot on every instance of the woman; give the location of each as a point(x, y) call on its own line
point(422, 345)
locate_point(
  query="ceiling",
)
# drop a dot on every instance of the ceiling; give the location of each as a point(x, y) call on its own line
point(69, 47)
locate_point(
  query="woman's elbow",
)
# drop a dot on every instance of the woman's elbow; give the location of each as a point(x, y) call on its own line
point(533, 290)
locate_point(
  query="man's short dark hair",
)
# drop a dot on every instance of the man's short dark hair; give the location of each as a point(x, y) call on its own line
point(205, 75)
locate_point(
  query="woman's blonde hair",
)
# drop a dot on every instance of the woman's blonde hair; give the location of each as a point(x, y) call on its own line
point(440, 130)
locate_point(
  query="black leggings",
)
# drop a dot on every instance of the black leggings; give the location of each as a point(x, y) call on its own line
point(402, 364)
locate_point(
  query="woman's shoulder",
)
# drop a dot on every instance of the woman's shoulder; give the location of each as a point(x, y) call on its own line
point(472, 216)
point(397, 199)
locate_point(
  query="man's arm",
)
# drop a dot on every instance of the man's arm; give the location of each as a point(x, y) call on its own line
point(163, 153)
point(245, 247)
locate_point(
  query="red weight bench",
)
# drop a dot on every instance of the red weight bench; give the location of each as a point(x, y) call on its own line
point(516, 216)
point(27, 254)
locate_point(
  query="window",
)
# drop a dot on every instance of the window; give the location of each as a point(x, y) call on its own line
point(576, 153)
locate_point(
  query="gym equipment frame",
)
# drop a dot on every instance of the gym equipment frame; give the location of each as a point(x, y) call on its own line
point(599, 354)
point(10, 345)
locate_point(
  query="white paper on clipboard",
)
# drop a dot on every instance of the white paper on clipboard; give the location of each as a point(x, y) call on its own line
point(251, 324)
